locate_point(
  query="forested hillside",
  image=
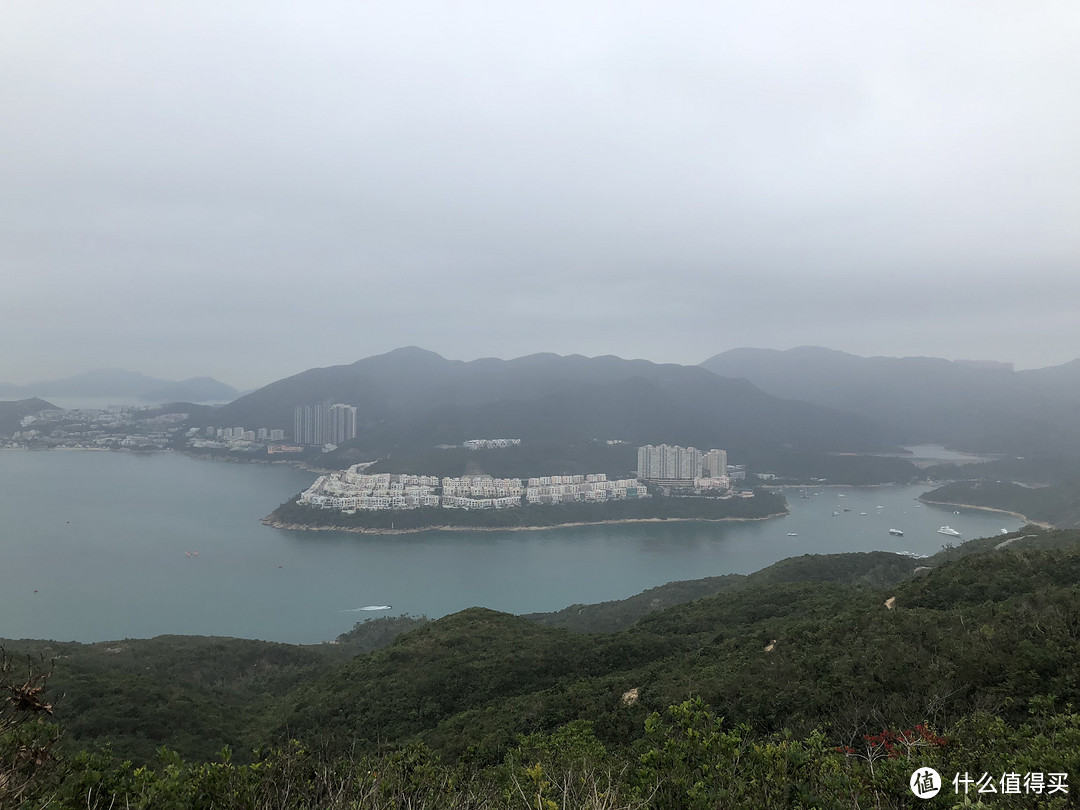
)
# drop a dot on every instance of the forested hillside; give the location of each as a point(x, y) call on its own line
point(410, 400)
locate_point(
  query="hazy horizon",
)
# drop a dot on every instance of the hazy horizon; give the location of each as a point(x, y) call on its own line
point(244, 191)
point(461, 359)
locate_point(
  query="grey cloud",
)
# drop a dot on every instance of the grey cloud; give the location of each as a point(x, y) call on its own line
point(894, 178)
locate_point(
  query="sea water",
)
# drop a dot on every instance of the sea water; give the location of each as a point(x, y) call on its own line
point(101, 545)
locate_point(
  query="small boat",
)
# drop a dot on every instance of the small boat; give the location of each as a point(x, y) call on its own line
point(846, 509)
point(949, 530)
point(862, 513)
point(792, 534)
point(896, 532)
point(834, 514)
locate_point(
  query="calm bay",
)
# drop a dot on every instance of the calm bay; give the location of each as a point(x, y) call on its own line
point(99, 545)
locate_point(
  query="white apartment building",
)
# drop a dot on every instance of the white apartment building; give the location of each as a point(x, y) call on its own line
point(674, 463)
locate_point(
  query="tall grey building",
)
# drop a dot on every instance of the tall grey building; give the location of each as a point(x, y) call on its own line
point(342, 423)
point(324, 423)
point(674, 463)
point(715, 463)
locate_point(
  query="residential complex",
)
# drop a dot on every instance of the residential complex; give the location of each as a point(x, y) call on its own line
point(351, 489)
point(673, 463)
point(259, 434)
point(125, 428)
point(488, 444)
point(324, 423)
point(594, 487)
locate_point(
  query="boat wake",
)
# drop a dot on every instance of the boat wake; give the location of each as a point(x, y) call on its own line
point(369, 607)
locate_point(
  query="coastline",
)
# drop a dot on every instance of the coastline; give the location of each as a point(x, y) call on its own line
point(276, 524)
point(1041, 524)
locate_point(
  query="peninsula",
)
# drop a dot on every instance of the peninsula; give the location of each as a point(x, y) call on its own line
point(296, 516)
point(354, 500)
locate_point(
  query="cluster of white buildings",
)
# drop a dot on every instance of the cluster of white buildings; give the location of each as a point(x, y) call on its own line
point(352, 489)
point(92, 427)
point(489, 444)
point(594, 487)
point(481, 492)
point(675, 463)
point(242, 434)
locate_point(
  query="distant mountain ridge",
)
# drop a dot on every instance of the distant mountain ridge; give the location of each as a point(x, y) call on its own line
point(121, 383)
point(977, 406)
point(412, 397)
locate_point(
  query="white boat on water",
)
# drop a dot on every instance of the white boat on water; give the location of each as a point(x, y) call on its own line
point(949, 530)
point(896, 532)
point(792, 534)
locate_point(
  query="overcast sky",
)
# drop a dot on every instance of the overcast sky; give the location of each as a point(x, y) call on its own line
point(249, 189)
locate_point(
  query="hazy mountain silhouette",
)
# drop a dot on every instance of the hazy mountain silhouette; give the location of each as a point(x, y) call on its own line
point(414, 397)
point(991, 408)
point(129, 384)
